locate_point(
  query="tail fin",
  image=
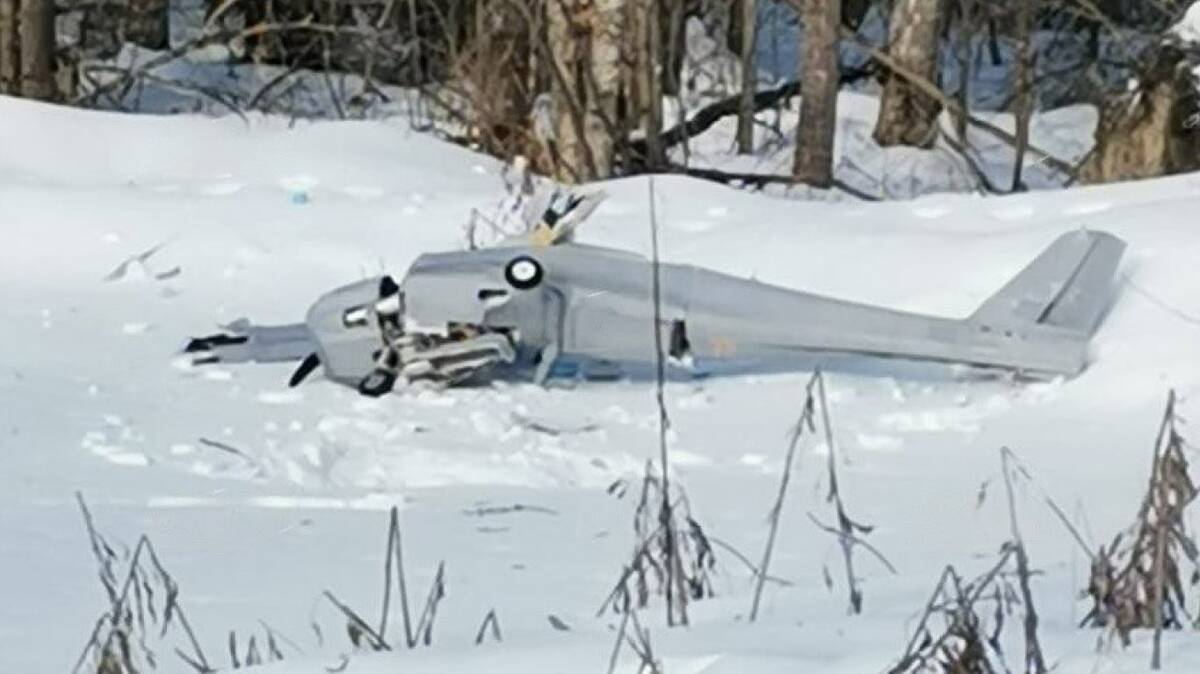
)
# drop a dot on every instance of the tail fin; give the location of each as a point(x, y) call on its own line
point(1068, 286)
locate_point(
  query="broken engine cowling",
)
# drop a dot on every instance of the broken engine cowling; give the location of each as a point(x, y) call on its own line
point(363, 339)
point(360, 335)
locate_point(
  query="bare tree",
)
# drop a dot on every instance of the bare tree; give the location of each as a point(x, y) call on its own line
point(585, 40)
point(745, 128)
point(27, 49)
point(907, 115)
point(36, 35)
point(495, 77)
point(820, 77)
point(10, 48)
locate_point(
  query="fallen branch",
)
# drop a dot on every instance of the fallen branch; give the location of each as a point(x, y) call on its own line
point(705, 118)
point(760, 180)
point(933, 91)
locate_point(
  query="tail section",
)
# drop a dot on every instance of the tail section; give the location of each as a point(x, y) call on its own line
point(1068, 286)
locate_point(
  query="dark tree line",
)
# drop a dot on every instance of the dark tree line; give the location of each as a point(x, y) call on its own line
point(581, 87)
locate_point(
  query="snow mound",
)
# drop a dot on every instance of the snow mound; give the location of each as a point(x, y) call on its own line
point(258, 497)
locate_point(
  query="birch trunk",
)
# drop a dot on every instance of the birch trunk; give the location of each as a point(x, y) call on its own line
point(586, 38)
point(906, 115)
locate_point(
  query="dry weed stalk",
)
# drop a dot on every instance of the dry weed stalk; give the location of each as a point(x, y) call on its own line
point(490, 624)
point(849, 532)
point(669, 544)
point(1136, 582)
point(687, 546)
point(972, 617)
point(143, 612)
point(963, 643)
point(639, 643)
point(1035, 662)
point(361, 633)
point(673, 553)
point(970, 640)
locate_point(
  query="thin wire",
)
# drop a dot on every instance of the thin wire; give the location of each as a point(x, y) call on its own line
point(1160, 303)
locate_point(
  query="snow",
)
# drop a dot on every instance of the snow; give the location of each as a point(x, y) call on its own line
point(1188, 28)
point(198, 216)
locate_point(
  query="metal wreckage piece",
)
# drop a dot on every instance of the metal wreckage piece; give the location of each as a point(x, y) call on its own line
point(541, 305)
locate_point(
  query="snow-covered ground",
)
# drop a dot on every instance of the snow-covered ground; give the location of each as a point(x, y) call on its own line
point(258, 219)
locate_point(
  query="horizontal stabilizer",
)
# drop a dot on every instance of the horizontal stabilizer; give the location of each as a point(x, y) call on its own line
point(1068, 286)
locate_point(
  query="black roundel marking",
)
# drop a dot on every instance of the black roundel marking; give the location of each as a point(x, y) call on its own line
point(523, 272)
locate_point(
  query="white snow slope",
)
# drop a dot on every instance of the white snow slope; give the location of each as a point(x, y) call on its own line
point(92, 399)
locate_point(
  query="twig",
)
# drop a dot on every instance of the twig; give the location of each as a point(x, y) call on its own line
point(229, 449)
point(503, 510)
point(856, 540)
point(616, 650)
point(760, 180)
point(805, 420)
point(706, 117)
point(377, 641)
point(489, 620)
point(437, 591)
point(754, 570)
point(395, 557)
point(1035, 662)
point(847, 530)
point(1011, 458)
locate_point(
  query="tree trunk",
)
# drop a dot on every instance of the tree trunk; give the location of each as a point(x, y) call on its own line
point(647, 82)
point(1152, 130)
point(906, 115)
point(819, 90)
point(963, 52)
point(1023, 107)
point(745, 128)
point(672, 20)
point(37, 38)
point(10, 48)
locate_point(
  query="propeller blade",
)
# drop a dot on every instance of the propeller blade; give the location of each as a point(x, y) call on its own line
point(309, 364)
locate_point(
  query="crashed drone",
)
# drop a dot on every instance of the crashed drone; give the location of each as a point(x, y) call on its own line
point(539, 305)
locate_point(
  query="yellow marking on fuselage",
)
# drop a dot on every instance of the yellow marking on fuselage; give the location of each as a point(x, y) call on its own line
point(723, 347)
